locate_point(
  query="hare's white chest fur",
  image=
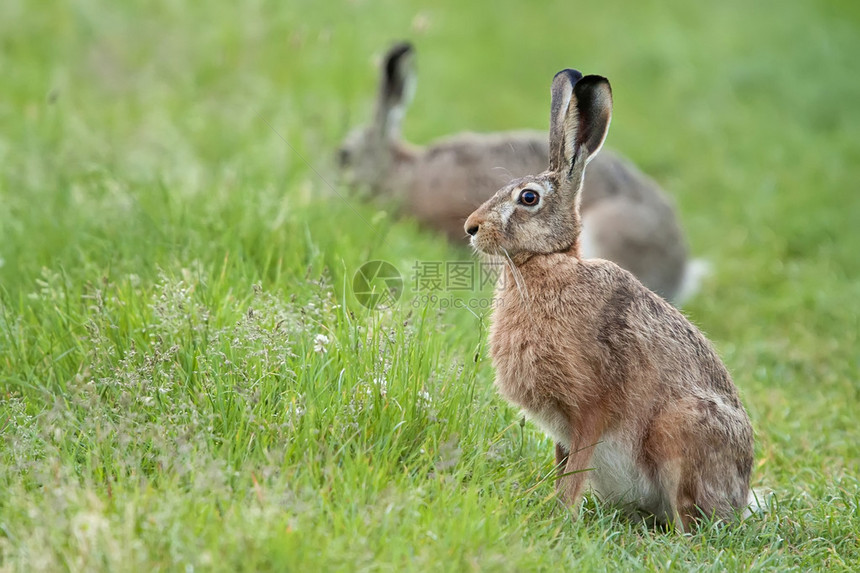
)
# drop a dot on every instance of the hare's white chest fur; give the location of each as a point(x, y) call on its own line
point(617, 479)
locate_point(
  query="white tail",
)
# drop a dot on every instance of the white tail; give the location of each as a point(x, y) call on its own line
point(759, 501)
point(696, 271)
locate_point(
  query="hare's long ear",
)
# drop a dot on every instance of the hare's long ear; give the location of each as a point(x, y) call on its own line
point(562, 92)
point(395, 89)
point(580, 114)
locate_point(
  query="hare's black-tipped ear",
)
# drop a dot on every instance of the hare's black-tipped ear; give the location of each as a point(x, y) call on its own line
point(593, 97)
point(580, 115)
point(395, 88)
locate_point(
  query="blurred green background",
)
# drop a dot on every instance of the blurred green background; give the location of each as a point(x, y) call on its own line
point(188, 383)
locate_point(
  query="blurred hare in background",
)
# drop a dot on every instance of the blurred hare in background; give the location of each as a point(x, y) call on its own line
point(627, 218)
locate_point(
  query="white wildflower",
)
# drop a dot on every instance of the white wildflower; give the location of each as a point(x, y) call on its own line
point(320, 343)
point(424, 399)
point(381, 385)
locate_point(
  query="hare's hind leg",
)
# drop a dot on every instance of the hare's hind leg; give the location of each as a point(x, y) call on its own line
point(699, 450)
point(695, 497)
point(678, 506)
point(667, 446)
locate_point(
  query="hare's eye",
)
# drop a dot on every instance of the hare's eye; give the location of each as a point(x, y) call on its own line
point(529, 197)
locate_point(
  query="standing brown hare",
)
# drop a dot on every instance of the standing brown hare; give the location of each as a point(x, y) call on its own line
point(618, 377)
point(627, 218)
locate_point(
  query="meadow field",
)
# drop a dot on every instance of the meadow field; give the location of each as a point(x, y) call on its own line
point(189, 384)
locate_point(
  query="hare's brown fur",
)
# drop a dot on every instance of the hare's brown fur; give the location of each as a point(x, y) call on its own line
point(613, 373)
point(627, 218)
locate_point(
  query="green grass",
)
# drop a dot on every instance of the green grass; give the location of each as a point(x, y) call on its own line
point(188, 382)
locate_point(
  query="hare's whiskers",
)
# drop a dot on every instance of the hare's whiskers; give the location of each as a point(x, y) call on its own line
point(518, 277)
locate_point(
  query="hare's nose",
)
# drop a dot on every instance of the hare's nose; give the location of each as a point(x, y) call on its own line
point(473, 224)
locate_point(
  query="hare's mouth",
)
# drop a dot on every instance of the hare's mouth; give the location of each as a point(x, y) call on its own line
point(485, 244)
